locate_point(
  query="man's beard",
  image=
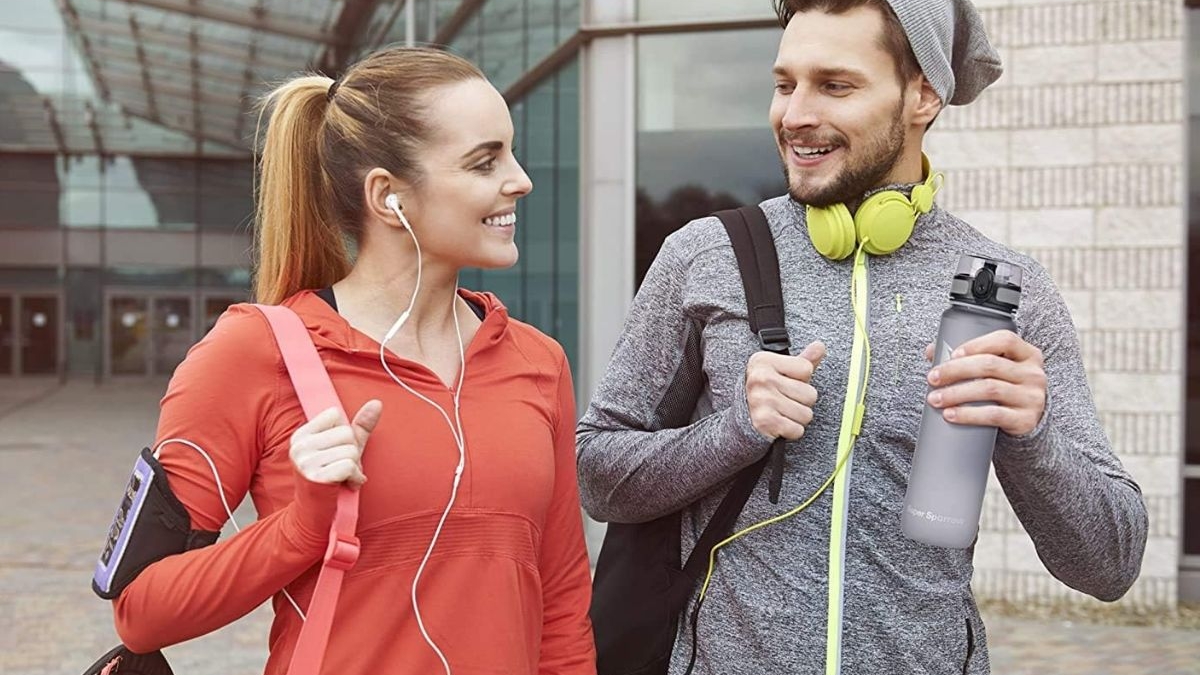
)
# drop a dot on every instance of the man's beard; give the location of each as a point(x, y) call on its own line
point(863, 171)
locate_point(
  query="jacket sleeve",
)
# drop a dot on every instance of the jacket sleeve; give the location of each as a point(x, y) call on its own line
point(567, 644)
point(1081, 508)
point(642, 452)
point(222, 398)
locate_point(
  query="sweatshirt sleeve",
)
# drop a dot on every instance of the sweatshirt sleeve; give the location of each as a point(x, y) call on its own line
point(567, 644)
point(223, 399)
point(642, 453)
point(1083, 511)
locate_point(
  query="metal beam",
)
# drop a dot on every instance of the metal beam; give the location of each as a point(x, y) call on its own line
point(71, 17)
point(544, 68)
point(141, 57)
point(247, 82)
point(236, 52)
point(350, 24)
point(89, 115)
point(260, 21)
point(197, 118)
point(55, 128)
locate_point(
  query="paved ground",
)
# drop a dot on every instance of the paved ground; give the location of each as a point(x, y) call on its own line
point(66, 453)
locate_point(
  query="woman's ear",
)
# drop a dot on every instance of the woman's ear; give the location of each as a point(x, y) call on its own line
point(377, 185)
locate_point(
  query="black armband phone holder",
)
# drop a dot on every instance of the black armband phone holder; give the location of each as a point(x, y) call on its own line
point(151, 524)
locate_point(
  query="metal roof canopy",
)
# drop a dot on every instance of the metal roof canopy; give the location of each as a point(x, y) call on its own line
point(196, 66)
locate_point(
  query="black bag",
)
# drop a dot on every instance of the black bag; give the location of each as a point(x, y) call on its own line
point(640, 590)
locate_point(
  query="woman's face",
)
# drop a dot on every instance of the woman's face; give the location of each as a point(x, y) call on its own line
point(464, 208)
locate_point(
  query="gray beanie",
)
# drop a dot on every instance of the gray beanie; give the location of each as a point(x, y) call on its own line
point(951, 46)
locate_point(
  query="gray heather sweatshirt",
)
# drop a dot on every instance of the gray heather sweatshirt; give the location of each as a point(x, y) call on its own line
point(668, 426)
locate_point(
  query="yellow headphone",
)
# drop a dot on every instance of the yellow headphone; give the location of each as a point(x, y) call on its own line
point(884, 221)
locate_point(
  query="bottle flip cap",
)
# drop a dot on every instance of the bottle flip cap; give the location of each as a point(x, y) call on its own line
point(984, 282)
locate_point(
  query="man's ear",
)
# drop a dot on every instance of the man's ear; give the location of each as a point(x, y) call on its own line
point(927, 104)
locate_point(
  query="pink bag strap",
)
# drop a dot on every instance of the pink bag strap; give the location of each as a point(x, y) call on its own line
point(317, 394)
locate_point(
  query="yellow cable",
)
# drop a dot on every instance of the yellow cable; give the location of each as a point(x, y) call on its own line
point(859, 323)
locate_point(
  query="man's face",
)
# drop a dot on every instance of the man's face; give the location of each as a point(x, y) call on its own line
point(838, 111)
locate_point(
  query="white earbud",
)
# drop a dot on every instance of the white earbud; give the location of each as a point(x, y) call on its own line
point(393, 203)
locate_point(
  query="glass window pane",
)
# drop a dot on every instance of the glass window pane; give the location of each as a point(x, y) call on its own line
point(172, 333)
point(467, 43)
point(566, 282)
point(503, 55)
point(8, 332)
point(84, 330)
point(537, 254)
point(128, 335)
point(663, 10)
point(543, 35)
point(568, 19)
point(689, 116)
point(29, 191)
point(38, 335)
point(226, 195)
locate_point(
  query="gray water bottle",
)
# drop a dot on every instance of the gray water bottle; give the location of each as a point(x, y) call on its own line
point(950, 465)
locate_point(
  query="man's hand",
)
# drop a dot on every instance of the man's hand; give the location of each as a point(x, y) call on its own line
point(779, 393)
point(998, 368)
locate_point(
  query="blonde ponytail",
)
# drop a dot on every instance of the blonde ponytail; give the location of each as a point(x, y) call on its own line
point(298, 245)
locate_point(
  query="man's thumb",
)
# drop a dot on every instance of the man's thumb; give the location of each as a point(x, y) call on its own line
point(365, 420)
point(814, 353)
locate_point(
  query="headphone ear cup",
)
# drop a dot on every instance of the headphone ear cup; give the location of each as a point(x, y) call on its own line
point(885, 221)
point(831, 230)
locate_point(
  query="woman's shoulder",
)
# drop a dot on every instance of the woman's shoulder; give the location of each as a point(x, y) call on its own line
point(539, 346)
point(240, 341)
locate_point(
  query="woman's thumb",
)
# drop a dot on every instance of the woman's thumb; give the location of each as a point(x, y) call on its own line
point(365, 420)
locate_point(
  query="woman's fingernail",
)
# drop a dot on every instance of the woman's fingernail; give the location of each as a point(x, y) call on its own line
point(950, 414)
point(935, 398)
point(935, 375)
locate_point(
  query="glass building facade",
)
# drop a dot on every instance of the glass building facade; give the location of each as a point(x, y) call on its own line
point(126, 169)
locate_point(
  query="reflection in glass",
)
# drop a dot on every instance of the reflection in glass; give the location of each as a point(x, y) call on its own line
point(172, 333)
point(128, 336)
point(39, 335)
point(704, 141)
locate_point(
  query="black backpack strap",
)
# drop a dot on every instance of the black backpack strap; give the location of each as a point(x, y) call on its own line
point(758, 262)
point(754, 246)
point(759, 265)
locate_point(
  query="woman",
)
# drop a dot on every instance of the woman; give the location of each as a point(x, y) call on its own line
point(463, 415)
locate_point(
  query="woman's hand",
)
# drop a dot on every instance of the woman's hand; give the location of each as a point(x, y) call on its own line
point(327, 450)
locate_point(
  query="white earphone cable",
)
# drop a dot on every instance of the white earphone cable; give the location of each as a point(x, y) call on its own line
point(455, 426)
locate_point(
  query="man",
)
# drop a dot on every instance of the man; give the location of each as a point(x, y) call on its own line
point(688, 401)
